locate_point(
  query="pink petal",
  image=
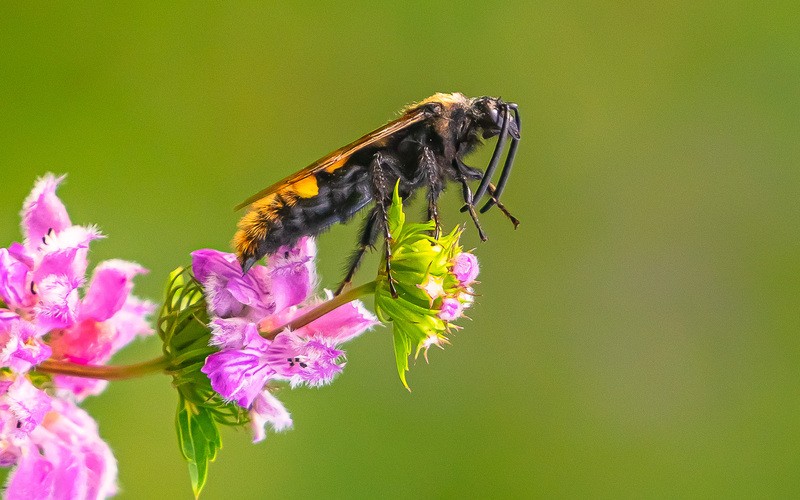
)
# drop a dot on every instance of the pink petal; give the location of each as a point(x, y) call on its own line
point(65, 253)
point(58, 263)
point(267, 409)
point(229, 292)
point(82, 463)
point(232, 333)
point(73, 237)
point(293, 273)
point(21, 253)
point(32, 478)
point(43, 210)
point(301, 360)
point(132, 321)
point(207, 262)
point(342, 324)
point(86, 342)
point(27, 404)
point(111, 284)
point(465, 267)
point(58, 302)
point(7, 318)
point(15, 288)
point(239, 374)
point(78, 388)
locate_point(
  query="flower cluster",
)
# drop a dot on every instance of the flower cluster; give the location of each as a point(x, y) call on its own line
point(243, 307)
point(229, 337)
point(47, 310)
point(433, 278)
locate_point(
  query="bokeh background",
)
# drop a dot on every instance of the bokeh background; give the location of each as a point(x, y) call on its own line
point(637, 336)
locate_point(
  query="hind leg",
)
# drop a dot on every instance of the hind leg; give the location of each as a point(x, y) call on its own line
point(369, 233)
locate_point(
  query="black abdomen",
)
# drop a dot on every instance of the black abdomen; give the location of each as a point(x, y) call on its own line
point(340, 195)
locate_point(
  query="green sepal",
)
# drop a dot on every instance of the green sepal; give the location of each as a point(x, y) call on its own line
point(396, 216)
point(183, 328)
point(402, 349)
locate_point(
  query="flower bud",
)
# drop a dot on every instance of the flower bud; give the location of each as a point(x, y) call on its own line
point(431, 277)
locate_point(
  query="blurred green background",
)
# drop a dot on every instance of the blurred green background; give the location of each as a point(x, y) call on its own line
point(637, 336)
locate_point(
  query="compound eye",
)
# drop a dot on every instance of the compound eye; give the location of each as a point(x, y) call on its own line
point(493, 115)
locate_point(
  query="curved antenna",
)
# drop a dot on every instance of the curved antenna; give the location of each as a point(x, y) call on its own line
point(512, 152)
point(501, 143)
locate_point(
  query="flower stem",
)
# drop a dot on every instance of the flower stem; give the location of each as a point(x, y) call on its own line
point(323, 309)
point(103, 371)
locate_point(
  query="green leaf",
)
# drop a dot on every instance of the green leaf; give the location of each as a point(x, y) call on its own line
point(199, 440)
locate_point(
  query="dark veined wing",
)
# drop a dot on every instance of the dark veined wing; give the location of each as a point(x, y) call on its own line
point(341, 155)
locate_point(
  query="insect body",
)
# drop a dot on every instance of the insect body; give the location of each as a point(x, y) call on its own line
point(422, 148)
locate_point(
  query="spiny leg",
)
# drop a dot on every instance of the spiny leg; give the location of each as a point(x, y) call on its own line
point(381, 195)
point(472, 173)
point(502, 207)
point(369, 233)
point(465, 172)
point(428, 163)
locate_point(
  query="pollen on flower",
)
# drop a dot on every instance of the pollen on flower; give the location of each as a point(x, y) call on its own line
point(433, 286)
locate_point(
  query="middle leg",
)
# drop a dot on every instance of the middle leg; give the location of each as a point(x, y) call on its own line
point(430, 166)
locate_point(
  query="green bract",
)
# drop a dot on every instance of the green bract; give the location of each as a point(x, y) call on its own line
point(417, 259)
point(182, 326)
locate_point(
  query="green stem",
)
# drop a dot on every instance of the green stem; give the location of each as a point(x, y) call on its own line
point(103, 371)
point(323, 309)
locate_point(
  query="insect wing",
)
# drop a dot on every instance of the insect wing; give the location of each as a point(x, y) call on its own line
point(341, 155)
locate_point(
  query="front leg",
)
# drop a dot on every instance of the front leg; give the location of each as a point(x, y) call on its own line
point(463, 173)
point(502, 207)
point(472, 173)
point(381, 193)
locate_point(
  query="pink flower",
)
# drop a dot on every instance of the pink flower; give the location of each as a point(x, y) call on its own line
point(55, 445)
point(64, 457)
point(465, 267)
point(20, 347)
point(451, 309)
point(268, 297)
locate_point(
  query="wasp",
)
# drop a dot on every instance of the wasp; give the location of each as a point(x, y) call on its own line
point(424, 147)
